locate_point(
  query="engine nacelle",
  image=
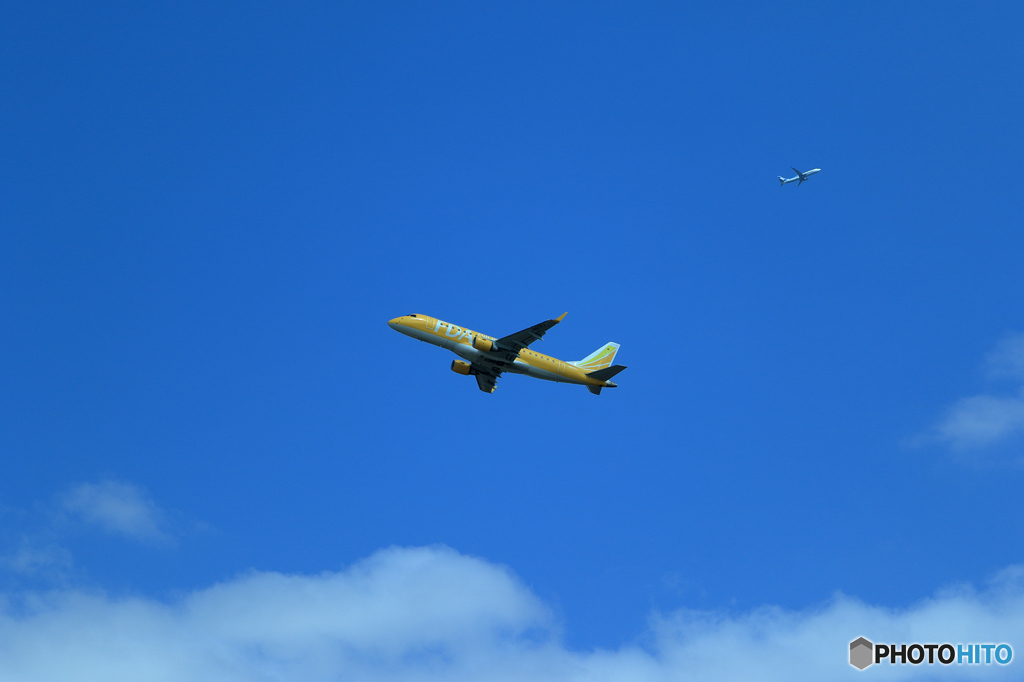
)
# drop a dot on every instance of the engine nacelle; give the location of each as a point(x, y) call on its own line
point(460, 367)
point(480, 343)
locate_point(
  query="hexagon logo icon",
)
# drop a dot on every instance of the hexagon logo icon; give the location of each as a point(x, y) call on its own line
point(862, 653)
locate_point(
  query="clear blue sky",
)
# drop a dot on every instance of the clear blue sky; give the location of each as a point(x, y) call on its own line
point(209, 211)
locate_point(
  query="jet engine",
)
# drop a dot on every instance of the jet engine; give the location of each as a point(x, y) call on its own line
point(480, 343)
point(460, 367)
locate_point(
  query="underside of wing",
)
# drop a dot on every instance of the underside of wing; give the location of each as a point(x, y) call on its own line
point(520, 340)
point(486, 378)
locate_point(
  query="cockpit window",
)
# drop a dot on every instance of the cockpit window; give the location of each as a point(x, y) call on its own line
point(412, 316)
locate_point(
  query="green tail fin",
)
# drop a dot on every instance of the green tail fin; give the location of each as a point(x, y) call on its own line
point(600, 359)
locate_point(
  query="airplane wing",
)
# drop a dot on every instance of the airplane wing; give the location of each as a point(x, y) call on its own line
point(520, 340)
point(798, 172)
point(485, 379)
point(488, 369)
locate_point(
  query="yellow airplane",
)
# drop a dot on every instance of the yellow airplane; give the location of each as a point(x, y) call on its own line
point(488, 357)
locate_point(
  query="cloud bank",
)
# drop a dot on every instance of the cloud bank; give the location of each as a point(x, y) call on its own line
point(433, 614)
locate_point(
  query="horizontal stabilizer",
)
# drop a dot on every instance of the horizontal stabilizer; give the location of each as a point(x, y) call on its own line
point(596, 390)
point(606, 373)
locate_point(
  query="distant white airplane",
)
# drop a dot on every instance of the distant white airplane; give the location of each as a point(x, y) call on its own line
point(800, 177)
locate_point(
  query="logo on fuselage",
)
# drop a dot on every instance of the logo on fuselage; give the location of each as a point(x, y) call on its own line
point(452, 332)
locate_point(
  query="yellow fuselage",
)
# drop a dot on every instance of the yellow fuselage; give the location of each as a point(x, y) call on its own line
point(459, 340)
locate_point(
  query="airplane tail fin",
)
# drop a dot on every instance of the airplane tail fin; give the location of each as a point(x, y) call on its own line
point(600, 359)
point(782, 181)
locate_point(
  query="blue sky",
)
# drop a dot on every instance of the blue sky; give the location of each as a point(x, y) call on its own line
point(210, 211)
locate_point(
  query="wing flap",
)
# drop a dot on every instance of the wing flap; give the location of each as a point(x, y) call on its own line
point(486, 381)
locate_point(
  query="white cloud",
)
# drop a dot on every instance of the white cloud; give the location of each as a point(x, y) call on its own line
point(433, 614)
point(117, 507)
point(1007, 359)
point(987, 419)
point(31, 559)
point(982, 420)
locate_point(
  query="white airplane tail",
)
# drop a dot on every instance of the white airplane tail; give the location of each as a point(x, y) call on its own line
point(782, 181)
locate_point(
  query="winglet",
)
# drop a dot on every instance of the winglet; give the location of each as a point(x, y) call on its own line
point(561, 317)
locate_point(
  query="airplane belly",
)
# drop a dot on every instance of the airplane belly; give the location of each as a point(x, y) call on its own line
point(466, 352)
point(538, 373)
point(424, 336)
point(471, 355)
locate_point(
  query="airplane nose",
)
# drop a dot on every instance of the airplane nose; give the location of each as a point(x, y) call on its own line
point(395, 323)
